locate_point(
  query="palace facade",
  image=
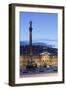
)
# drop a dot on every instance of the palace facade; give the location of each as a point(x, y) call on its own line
point(43, 60)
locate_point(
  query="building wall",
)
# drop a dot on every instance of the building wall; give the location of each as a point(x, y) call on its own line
point(45, 58)
point(54, 60)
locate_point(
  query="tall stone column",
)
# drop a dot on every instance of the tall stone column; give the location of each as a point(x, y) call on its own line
point(31, 64)
point(30, 39)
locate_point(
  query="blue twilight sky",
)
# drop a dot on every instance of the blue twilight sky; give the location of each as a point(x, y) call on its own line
point(45, 27)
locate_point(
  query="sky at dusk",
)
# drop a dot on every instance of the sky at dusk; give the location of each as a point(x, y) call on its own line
point(45, 27)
